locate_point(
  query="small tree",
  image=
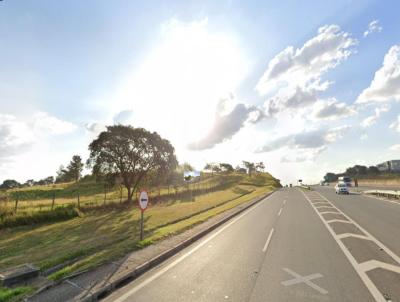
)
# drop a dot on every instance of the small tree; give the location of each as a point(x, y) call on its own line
point(186, 167)
point(330, 177)
point(226, 167)
point(131, 153)
point(260, 166)
point(249, 166)
point(75, 168)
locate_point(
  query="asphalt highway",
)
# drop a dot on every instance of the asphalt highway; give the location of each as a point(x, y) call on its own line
point(293, 246)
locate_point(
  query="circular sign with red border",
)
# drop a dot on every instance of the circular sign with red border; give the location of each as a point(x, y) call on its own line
point(143, 200)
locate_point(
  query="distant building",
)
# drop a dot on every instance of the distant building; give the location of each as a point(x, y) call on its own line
point(389, 166)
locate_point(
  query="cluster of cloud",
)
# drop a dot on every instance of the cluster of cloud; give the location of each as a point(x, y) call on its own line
point(332, 109)
point(293, 70)
point(386, 83)
point(373, 27)
point(395, 147)
point(226, 124)
point(396, 124)
point(371, 120)
point(292, 81)
point(17, 136)
point(307, 144)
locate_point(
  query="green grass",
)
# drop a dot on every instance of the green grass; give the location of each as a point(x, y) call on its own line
point(13, 294)
point(106, 234)
point(35, 217)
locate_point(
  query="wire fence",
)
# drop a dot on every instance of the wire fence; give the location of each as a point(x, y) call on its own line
point(109, 198)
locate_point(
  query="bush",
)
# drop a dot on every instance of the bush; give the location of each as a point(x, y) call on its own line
point(11, 294)
point(34, 217)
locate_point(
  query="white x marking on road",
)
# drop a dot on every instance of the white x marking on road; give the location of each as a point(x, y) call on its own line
point(304, 279)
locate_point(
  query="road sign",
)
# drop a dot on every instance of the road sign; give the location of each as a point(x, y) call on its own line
point(143, 200)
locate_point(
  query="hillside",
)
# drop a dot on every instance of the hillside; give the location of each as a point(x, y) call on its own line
point(100, 234)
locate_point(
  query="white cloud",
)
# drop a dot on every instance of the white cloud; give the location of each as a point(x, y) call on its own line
point(396, 124)
point(371, 120)
point(95, 128)
point(17, 136)
point(373, 27)
point(304, 67)
point(364, 137)
point(395, 148)
point(386, 83)
point(227, 123)
point(44, 123)
point(306, 145)
point(332, 109)
point(124, 117)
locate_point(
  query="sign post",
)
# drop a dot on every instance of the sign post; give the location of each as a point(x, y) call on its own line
point(143, 203)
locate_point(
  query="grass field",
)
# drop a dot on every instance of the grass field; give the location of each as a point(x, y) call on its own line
point(105, 234)
point(91, 194)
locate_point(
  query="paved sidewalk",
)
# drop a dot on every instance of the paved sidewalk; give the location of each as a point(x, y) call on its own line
point(91, 285)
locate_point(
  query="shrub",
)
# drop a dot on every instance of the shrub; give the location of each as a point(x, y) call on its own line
point(34, 217)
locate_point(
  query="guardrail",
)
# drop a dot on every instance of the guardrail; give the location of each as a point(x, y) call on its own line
point(384, 193)
point(305, 187)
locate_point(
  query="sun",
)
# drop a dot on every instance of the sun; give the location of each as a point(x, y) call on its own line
point(176, 89)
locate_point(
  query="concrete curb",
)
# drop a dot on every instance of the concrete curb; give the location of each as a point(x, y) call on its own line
point(141, 269)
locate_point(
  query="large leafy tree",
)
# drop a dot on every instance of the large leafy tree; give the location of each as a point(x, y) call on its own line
point(9, 184)
point(130, 153)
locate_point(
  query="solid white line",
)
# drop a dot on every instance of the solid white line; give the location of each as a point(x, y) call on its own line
point(280, 212)
point(268, 240)
point(381, 199)
point(284, 202)
point(364, 277)
point(172, 264)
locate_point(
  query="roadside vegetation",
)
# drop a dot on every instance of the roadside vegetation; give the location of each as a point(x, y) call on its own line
point(70, 223)
point(105, 234)
point(13, 294)
point(363, 172)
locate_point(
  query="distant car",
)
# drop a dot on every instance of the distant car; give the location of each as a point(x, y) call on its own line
point(346, 180)
point(323, 183)
point(341, 188)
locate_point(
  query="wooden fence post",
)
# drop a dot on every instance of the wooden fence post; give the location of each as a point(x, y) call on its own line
point(54, 198)
point(16, 204)
point(79, 201)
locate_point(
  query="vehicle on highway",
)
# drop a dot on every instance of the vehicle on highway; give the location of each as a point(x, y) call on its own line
point(346, 180)
point(341, 188)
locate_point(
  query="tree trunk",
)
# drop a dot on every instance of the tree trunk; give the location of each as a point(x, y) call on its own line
point(129, 193)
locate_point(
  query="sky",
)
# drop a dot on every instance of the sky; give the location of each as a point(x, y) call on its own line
point(307, 87)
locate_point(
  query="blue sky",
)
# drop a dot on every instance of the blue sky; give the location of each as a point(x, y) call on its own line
point(190, 70)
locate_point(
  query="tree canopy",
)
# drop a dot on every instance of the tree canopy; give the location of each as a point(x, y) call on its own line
point(130, 153)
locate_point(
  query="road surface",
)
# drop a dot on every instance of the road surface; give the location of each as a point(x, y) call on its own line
point(293, 246)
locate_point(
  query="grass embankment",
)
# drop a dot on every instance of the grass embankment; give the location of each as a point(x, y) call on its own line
point(106, 234)
point(13, 294)
point(92, 194)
